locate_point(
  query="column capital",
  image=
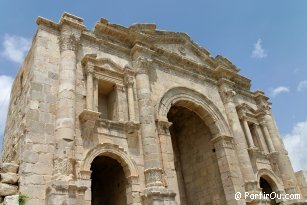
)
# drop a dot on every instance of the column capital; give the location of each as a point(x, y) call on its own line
point(119, 87)
point(223, 141)
point(69, 42)
point(153, 177)
point(227, 95)
point(242, 114)
point(128, 80)
point(163, 126)
point(226, 90)
point(89, 68)
point(142, 64)
point(262, 122)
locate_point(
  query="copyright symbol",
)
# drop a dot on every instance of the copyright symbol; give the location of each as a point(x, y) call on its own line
point(238, 196)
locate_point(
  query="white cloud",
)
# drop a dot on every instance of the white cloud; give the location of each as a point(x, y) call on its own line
point(296, 144)
point(302, 86)
point(280, 89)
point(15, 47)
point(258, 51)
point(5, 90)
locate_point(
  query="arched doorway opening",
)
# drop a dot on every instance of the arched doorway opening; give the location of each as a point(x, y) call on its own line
point(267, 189)
point(195, 159)
point(108, 182)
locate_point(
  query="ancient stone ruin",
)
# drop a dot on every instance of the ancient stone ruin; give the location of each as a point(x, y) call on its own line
point(137, 116)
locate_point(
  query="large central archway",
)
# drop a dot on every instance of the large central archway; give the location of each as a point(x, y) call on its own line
point(197, 170)
point(109, 183)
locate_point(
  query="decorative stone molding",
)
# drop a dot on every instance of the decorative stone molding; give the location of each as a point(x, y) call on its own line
point(227, 95)
point(85, 174)
point(142, 65)
point(223, 141)
point(275, 182)
point(62, 192)
point(163, 127)
point(70, 42)
point(90, 68)
point(127, 127)
point(63, 168)
point(242, 114)
point(128, 80)
point(88, 119)
point(153, 177)
point(252, 187)
point(114, 151)
point(196, 102)
point(132, 127)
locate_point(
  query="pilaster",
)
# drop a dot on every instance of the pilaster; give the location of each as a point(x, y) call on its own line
point(229, 168)
point(228, 95)
point(281, 155)
point(129, 81)
point(64, 188)
point(155, 192)
point(243, 118)
point(71, 28)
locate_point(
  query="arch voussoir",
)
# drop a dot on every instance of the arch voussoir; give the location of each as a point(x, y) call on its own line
point(196, 102)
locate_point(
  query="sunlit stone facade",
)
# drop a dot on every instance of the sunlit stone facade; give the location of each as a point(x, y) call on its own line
point(137, 116)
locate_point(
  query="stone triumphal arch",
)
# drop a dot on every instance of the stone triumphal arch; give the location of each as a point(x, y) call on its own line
point(137, 116)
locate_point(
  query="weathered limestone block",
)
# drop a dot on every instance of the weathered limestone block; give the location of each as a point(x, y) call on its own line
point(7, 189)
point(301, 177)
point(9, 168)
point(11, 200)
point(9, 178)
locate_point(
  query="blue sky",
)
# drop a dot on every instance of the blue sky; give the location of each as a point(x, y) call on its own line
point(267, 40)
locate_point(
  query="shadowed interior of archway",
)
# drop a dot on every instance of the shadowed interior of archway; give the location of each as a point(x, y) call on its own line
point(195, 159)
point(267, 189)
point(108, 182)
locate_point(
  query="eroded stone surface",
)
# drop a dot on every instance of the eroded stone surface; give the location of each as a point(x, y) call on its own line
point(9, 178)
point(11, 200)
point(9, 167)
point(7, 189)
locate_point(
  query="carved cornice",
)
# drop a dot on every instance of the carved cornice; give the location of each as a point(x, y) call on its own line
point(126, 127)
point(226, 63)
point(144, 40)
point(264, 106)
point(66, 19)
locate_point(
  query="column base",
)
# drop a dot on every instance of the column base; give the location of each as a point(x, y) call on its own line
point(159, 196)
point(66, 192)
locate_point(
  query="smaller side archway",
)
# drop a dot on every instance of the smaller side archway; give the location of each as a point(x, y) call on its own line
point(268, 182)
point(115, 159)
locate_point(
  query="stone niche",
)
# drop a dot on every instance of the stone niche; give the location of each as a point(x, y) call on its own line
point(107, 100)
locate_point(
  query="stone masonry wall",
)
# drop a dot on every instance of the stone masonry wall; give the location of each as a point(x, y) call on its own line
point(37, 157)
point(195, 159)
